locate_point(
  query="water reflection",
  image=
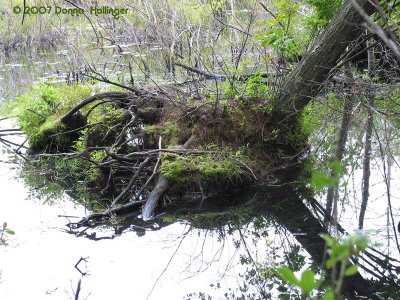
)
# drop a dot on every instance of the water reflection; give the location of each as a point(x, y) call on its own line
point(245, 237)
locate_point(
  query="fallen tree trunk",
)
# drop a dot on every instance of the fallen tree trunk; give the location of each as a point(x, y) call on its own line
point(305, 81)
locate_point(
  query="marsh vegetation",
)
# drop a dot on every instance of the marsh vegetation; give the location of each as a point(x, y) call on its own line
point(179, 104)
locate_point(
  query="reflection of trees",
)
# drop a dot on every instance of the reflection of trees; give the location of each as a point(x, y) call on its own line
point(275, 213)
point(276, 219)
point(268, 228)
point(40, 184)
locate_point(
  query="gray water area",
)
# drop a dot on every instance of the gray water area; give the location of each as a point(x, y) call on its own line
point(39, 261)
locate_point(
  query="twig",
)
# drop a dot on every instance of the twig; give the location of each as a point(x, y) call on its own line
point(77, 265)
point(78, 289)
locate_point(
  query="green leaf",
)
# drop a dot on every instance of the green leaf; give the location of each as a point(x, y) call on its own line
point(331, 261)
point(288, 276)
point(337, 168)
point(328, 295)
point(320, 180)
point(361, 240)
point(307, 282)
point(351, 270)
point(9, 231)
point(4, 225)
point(341, 252)
point(330, 241)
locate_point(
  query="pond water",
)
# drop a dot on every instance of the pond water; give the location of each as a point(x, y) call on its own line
point(164, 263)
point(167, 261)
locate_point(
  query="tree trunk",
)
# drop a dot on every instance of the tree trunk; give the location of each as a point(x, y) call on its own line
point(305, 81)
point(161, 187)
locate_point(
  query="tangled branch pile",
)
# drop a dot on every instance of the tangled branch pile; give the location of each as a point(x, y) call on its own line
point(124, 149)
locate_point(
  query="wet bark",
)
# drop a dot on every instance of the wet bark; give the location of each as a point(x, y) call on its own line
point(159, 190)
point(161, 187)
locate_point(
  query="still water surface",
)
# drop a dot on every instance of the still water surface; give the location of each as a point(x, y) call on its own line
point(39, 261)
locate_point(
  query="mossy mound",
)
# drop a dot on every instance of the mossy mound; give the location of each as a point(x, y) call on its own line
point(235, 144)
point(54, 136)
point(217, 169)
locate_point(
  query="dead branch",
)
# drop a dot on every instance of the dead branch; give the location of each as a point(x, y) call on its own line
point(100, 96)
point(220, 77)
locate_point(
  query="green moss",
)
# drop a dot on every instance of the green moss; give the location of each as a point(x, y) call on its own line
point(41, 138)
point(38, 111)
point(169, 132)
point(51, 124)
point(106, 132)
point(175, 169)
point(208, 168)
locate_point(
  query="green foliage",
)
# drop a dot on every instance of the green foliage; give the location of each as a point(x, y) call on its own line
point(37, 112)
point(283, 32)
point(389, 103)
point(310, 119)
point(32, 109)
point(216, 5)
point(238, 88)
point(41, 185)
point(320, 180)
point(255, 87)
point(4, 233)
point(169, 131)
point(340, 253)
point(323, 11)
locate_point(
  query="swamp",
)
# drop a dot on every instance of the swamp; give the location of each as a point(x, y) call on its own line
point(199, 149)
